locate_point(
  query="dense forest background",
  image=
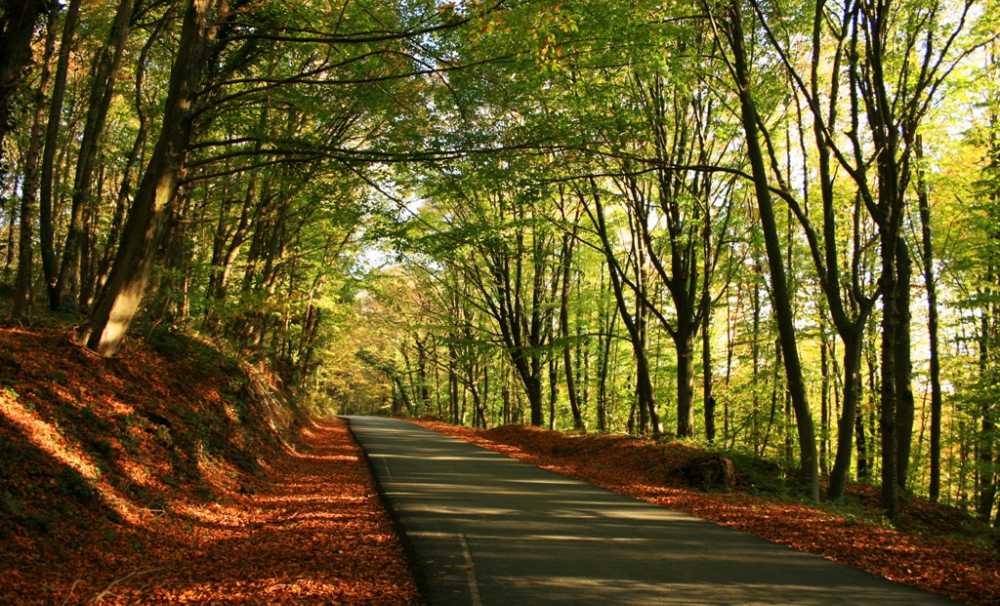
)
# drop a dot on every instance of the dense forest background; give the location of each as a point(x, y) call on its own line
point(770, 226)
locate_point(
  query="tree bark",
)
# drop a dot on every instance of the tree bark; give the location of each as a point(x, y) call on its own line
point(927, 250)
point(644, 388)
point(779, 284)
point(708, 397)
point(904, 366)
point(101, 92)
point(45, 227)
point(574, 401)
point(985, 438)
point(124, 291)
point(17, 28)
point(29, 188)
point(684, 345)
point(849, 418)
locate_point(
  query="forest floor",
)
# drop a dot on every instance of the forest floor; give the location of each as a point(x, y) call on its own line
point(174, 474)
point(932, 547)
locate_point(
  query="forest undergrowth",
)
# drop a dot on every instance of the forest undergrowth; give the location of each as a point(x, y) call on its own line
point(176, 474)
point(931, 546)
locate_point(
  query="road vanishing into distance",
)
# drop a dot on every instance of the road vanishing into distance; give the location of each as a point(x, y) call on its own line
point(485, 529)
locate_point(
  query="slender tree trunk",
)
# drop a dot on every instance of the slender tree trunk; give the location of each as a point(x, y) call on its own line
point(824, 415)
point(571, 392)
point(755, 355)
point(603, 363)
point(11, 212)
point(779, 286)
point(706, 360)
point(984, 440)
point(553, 388)
point(927, 250)
point(644, 388)
point(29, 188)
point(775, 383)
point(45, 228)
point(453, 384)
point(101, 92)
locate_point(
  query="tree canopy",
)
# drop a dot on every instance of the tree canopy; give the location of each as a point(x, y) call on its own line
point(768, 226)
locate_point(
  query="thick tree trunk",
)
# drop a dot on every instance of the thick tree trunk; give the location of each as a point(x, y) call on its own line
point(849, 419)
point(533, 389)
point(123, 294)
point(891, 326)
point(684, 344)
point(17, 28)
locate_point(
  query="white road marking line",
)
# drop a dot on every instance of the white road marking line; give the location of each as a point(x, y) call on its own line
point(385, 463)
point(470, 572)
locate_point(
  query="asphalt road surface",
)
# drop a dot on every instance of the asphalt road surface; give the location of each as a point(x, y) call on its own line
point(483, 528)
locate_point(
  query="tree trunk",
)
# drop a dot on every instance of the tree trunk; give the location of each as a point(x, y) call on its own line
point(849, 418)
point(684, 344)
point(779, 284)
point(126, 284)
point(453, 383)
point(824, 407)
point(608, 321)
point(984, 440)
point(11, 211)
point(553, 388)
point(706, 359)
point(644, 388)
point(904, 367)
point(17, 28)
point(46, 230)
point(888, 418)
point(927, 255)
point(101, 92)
point(29, 188)
point(574, 401)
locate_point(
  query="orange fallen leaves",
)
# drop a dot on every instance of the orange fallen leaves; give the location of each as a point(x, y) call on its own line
point(153, 480)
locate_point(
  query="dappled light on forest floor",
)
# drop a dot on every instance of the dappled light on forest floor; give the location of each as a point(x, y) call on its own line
point(313, 531)
point(175, 479)
point(646, 471)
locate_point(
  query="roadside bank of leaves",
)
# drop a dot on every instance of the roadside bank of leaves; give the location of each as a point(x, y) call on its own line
point(174, 474)
point(644, 469)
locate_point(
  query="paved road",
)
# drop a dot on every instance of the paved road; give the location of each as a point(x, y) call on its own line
point(486, 529)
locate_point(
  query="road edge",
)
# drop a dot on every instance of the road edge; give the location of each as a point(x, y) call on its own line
point(397, 526)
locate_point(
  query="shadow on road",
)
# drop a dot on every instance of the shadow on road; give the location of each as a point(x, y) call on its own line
point(487, 529)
